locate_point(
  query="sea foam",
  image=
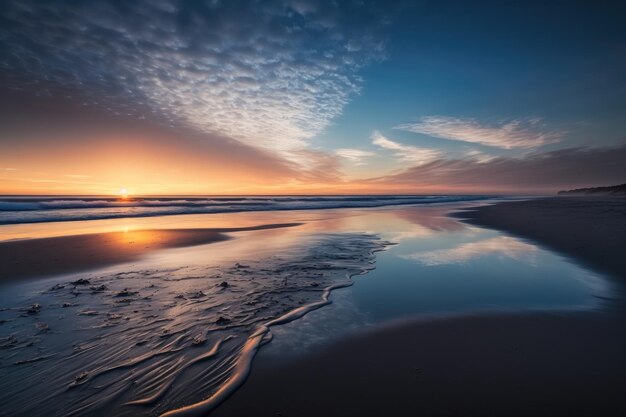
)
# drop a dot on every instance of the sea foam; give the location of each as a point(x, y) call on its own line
point(35, 210)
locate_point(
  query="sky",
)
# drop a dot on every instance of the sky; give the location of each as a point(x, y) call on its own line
point(167, 97)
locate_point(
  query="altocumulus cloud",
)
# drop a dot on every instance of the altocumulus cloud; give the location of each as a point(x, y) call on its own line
point(271, 74)
point(525, 133)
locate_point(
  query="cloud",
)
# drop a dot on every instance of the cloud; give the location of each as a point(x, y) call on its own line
point(535, 172)
point(315, 166)
point(269, 74)
point(356, 156)
point(503, 246)
point(513, 134)
point(406, 153)
point(479, 156)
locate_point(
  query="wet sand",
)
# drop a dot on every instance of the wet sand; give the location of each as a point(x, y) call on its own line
point(530, 365)
point(592, 230)
point(539, 364)
point(67, 254)
point(160, 335)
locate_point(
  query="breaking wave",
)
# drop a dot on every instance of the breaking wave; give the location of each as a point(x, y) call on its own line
point(34, 210)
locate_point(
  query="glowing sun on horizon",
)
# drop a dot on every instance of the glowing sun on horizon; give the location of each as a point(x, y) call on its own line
point(123, 193)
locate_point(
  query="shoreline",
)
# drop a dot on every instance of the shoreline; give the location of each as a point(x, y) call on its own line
point(212, 308)
point(256, 340)
point(548, 363)
point(42, 257)
point(590, 230)
point(186, 206)
point(540, 363)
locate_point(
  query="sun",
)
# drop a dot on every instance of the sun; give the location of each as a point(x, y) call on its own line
point(123, 193)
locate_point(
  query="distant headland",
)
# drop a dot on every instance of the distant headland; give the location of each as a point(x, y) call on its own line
point(616, 190)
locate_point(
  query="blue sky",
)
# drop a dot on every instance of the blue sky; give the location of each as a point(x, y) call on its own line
point(559, 62)
point(320, 95)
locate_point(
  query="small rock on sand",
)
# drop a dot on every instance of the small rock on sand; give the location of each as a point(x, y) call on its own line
point(197, 294)
point(34, 309)
point(126, 293)
point(42, 327)
point(88, 313)
point(198, 340)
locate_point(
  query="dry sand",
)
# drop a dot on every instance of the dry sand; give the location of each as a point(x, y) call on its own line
point(541, 364)
point(66, 254)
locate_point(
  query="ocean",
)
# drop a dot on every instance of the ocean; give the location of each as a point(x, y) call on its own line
point(39, 209)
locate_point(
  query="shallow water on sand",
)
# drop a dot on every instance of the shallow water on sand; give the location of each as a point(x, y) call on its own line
point(182, 325)
point(153, 337)
point(442, 267)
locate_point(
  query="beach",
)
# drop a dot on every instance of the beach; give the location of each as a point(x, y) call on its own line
point(102, 313)
point(548, 364)
point(304, 208)
point(375, 311)
point(513, 365)
point(591, 230)
point(69, 254)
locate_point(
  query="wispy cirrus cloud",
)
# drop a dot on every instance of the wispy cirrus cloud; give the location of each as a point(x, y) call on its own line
point(406, 153)
point(356, 156)
point(522, 133)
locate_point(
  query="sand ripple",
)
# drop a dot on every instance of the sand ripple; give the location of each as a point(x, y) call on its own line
point(176, 341)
